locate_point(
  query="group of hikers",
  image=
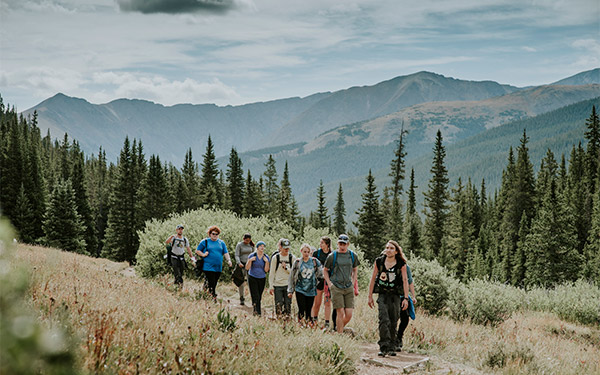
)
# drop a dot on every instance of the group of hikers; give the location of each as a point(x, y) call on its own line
point(319, 275)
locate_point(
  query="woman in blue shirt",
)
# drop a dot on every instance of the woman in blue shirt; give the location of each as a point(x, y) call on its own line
point(257, 266)
point(303, 280)
point(213, 250)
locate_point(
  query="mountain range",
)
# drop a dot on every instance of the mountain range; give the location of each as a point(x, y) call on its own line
point(334, 136)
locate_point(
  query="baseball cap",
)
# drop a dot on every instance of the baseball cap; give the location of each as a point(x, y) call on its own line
point(343, 238)
point(285, 243)
point(179, 226)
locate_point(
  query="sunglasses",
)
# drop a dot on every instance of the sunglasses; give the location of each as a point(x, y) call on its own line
point(214, 233)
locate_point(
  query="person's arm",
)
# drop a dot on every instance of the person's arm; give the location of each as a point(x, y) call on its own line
point(355, 280)
point(412, 292)
point(319, 271)
point(238, 253)
point(372, 285)
point(189, 251)
point(267, 262)
point(170, 239)
point(228, 259)
point(292, 280)
point(405, 288)
point(202, 246)
point(271, 278)
point(249, 261)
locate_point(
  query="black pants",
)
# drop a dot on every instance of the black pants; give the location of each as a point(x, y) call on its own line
point(283, 303)
point(389, 312)
point(257, 286)
point(178, 264)
point(305, 304)
point(211, 282)
point(403, 324)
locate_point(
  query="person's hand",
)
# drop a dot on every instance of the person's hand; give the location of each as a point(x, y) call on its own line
point(371, 302)
point(404, 304)
point(289, 295)
point(414, 299)
point(271, 291)
point(230, 264)
point(240, 265)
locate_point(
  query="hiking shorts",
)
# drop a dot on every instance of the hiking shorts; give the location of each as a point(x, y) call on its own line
point(342, 298)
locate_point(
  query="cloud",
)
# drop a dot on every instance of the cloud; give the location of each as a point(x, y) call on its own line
point(591, 53)
point(528, 49)
point(176, 6)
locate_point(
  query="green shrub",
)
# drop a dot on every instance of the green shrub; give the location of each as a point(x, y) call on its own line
point(577, 302)
point(150, 262)
point(485, 302)
point(433, 284)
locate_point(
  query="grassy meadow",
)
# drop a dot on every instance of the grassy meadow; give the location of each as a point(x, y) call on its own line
point(124, 324)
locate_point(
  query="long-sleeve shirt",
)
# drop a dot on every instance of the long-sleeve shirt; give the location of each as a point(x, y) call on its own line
point(278, 276)
point(242, 251)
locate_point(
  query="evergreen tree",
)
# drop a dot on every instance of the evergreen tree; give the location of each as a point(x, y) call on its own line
point(284, 212)
point(592, 134)
point(322, 218)
point(578, 195)
point(24, 217)
point(413, 227)
point(82, 200)
point(121, 240)
point(62, 224)
point(153, 200)
point(397, 164)
point(210, 174)
point(190, 185)
point(35, 187)
point(436, 206)
point(12, 177)
point(235, 182)
point(519, 265)
point(592, 248)
point(552, 256)
point(370, 222)
point(98, 193)
point(252, 198)
point(339, 221)
point(271, 188)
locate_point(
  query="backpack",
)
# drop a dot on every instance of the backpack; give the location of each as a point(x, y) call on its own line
point(170, 249)
point(276, 256)
point(335, 259)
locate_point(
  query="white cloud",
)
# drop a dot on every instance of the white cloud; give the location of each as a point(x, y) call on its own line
point(591, 53)
point(528, 49)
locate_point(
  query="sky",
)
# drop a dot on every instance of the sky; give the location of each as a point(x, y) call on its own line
point(232, 52)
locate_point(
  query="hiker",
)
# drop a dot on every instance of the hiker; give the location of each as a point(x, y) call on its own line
point(341, 270)
point(257, 266)
point(213, 250)
point(404, 316)
point(322, 288)
point(242, 250)
point(389, 280)
point(281, 264)
point(303, 280)
point(179, 244)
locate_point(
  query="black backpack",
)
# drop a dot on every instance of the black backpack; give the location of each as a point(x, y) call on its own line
point(276, 256)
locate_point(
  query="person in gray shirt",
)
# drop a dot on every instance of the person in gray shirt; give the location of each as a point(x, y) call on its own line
point(242, 250)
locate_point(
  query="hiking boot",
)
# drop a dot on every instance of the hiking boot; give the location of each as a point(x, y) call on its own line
point(381, 354)
point(242, 302)
point(398, 348)
point(391, 353)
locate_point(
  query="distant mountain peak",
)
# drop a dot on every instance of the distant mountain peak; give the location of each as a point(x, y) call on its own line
point(584, 78)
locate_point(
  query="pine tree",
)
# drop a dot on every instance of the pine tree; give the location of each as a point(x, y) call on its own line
point(98, 192)
point(436, 206)
point(520, 263)
point(339, 221)
point(321, 217)
point(190, 200)
point(397, 164)
point(12, 177)
point(252, 198)
point(65, 158)
point(235, 182)
point(24, 217)
point(153, 202)
point(34, 180)
point(62, 224)
point(592, 134)
point(578, 195)
point(413, 227)
point(210, 174)
point(81, 199)
point(370, 222)
point(271, 188)
point(284, 212)
point(591, 269)
point(121, 240)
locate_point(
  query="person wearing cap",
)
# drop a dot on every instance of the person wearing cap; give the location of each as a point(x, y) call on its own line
point(257, 267)
point(280, 267)
point(179, 244)
point(341, 273)
point(242, 250)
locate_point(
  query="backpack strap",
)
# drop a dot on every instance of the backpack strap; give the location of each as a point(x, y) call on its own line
point(276, 262)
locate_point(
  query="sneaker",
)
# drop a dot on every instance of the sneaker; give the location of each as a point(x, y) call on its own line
point(398, 348)
point(242, 302)
point(391, 353)
point(381, 354)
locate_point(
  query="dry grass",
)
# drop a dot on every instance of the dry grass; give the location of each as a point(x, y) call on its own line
point(131, 325)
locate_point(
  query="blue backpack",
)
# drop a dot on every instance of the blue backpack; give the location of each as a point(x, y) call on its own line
point(335, 259)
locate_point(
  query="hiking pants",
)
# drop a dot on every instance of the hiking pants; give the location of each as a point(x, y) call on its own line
point(283, 303)
point(257, 286)
point(389, 306)
point(241, 287)
point(403, 323)
point(178, 264)
point(211, 282)
point(305, 304)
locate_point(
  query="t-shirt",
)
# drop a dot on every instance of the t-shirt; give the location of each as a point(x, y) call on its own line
point(320, 255)
point(389, 280)
point(216, 249)
point(307, 282)
point(179, 245)
point(257, 269)
point(278, 276)
point(242, 251)
point(342, 274)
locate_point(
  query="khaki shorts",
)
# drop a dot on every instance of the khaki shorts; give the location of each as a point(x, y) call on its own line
point(342, 298)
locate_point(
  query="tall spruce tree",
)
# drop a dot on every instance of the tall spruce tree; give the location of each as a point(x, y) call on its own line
point(591, 252)
point(235, 182)
point(413, 226)
point(78, 182)
point(461, 228)
point(24, 217)
point(284, 212)
point(370, 223)
point(210, 175)
point(339, 221)
point(121, 240)
point(322, 217)
point(520, 263)
point(436, 203)
point(252, 198)
point(62, 224)
point(98, 184)
point(592, 134)
point(190, 186)
point(394, 219)
point(35, 186)
point(578, 194)
point(271, 187)
point(153, 202)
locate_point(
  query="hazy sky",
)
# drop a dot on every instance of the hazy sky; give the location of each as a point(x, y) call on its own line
point(242, 51)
